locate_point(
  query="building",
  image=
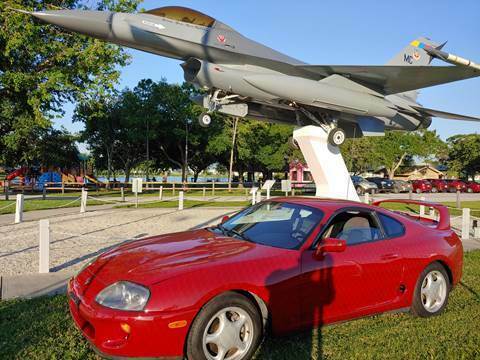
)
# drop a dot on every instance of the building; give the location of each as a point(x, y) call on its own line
point(419, 172)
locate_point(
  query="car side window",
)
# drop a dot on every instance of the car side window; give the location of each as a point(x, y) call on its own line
point(355, 227)
point(392, 227)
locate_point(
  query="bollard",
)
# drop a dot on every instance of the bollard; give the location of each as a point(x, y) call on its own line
point(465, 223)
point(44, 193)
point(204, 192)
point(422, 207)
point(44, 247)
point(19, 209)
point(213, 188)
point(83, 201)
point(180, 200)
point(476, 229)
point(160, 193)
point(254, 196)
point(173, 189)
point(459, 205)
point(367, 198)
point(293, 191)
point(7, 190)
point(259, 196)
point(122, 194)
point(63, 188)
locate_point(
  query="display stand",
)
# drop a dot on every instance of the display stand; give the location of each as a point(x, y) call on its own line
point(326, 164)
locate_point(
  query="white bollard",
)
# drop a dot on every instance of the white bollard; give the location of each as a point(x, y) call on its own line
point(422, 207)
point(254, 196)
point(160, 193)
point(19, 209)
point(83, 201)
point(367, 198)
point(465, 223)
point(122, 194)
point(204, 193)
point(44, 247)
point(180, 200)
point(259, 196)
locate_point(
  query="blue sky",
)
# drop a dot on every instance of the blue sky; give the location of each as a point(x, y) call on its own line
point(348, 32)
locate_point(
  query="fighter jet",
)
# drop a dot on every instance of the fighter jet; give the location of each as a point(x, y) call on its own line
point(244, 78)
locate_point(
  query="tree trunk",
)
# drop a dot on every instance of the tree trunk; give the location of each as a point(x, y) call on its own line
point(391, 171)
point(232, 150)
point(127, 174)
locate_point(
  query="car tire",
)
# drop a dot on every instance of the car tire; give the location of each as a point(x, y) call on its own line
point(434, 190)
point(431, 291)
point(220, 313)
point(469, 190)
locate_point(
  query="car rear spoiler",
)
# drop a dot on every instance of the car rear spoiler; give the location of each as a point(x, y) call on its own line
point(443, 221)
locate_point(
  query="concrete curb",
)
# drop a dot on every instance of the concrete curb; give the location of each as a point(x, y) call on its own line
point(33, 285)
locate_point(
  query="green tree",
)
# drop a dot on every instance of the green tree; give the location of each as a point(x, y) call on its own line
point(360, 154)
point(56, 148)
point(464, 155)
point(42, 67)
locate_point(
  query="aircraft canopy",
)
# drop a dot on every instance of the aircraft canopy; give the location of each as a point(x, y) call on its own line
point(183, 14)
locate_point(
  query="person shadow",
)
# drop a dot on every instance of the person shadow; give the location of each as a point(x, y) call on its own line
point(300, 303)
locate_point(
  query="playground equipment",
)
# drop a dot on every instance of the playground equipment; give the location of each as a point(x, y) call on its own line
point(15, 173)
point(94, 180)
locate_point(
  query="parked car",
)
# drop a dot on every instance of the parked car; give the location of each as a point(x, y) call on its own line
point(383, 184)
point(421, 186)
point(401, 186)
point(438, 185)
point(206, 293)
point(473, 187)
point(456, 185)
point(363, 186)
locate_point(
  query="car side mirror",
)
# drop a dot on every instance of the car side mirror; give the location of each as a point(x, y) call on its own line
point(225, 219)
point(330, 245)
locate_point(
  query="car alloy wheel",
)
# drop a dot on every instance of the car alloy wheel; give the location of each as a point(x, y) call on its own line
point(228, 335)
point(434, 291)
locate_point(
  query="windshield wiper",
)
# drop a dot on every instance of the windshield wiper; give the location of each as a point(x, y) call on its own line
point(239, 234)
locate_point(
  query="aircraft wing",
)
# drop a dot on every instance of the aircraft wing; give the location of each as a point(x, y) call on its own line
point(390, 79)
point(444, 115)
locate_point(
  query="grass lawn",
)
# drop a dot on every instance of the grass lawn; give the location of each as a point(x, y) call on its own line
point(42, 329)
point(31, 205)
point(188, 204)
point(473, 205)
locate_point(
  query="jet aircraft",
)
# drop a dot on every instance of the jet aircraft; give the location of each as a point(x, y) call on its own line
point(244, 78)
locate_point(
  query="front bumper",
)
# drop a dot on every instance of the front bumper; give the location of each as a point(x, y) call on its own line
point(149, 338)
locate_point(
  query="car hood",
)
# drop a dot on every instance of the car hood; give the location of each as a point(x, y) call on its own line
point(152, 260)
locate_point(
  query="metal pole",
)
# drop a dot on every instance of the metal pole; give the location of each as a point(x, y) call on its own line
point(136, 200)
point(19, 209)
point(7, 190)
point(465, 223)
point(44, 247)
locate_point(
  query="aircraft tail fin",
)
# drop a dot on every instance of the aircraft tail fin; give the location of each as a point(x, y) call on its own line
point(413, 55)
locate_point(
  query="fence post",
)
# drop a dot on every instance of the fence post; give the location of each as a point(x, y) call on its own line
point(213, 188)
point(268, 193)
point(19, 209)
point(422, 207)
point(180, 200)
point(254, 196)
point(83, 201)
point(44, 193)
point(63, 188)
point(465, 223)
point(259, 196)
point(173, 190)
point(160, 193)
point(367, 198)
point(44, 247)
point(7, 189)
point(204, 192)
point(122, 194)
point(410, 194)
point(459, 205)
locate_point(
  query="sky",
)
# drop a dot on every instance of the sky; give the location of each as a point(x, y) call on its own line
point(348, 32)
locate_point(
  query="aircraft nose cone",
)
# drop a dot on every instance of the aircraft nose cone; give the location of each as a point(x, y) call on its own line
point(93, 23)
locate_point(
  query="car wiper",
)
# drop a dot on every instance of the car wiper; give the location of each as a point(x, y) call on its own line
point(239, 234)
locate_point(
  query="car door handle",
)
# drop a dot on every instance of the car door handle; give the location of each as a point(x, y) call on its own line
point(390, 256)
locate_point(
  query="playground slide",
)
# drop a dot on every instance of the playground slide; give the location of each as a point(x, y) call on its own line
point(93, 179)
point(14, 174)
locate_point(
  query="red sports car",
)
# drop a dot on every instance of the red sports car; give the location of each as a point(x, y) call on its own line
point(283, 265)
point(473, 187)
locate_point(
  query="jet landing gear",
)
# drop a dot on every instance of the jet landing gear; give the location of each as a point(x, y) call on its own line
point(336, 136)
point(205, 119)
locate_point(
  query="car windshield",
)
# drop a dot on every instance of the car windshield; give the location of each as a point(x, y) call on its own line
point(276, 224)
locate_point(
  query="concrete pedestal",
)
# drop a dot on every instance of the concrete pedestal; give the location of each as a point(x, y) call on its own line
point(326, 164)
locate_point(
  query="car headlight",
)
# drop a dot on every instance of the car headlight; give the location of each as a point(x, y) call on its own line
point(124, 295)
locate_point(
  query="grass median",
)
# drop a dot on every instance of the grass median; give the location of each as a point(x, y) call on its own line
point(187, 204)
point(38, 204)
point(42, 329)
